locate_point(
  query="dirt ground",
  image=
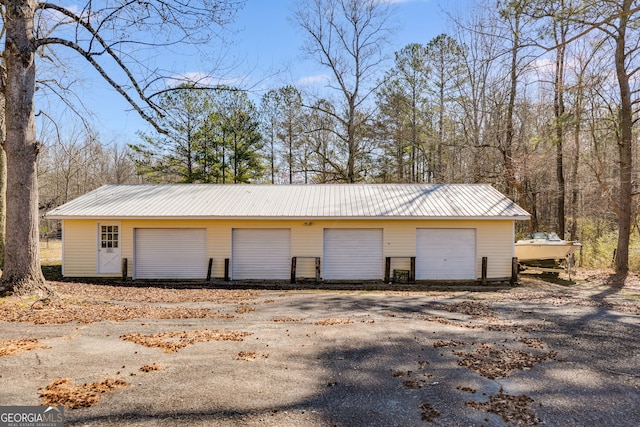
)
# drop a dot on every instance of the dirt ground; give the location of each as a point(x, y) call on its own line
point(547, 352)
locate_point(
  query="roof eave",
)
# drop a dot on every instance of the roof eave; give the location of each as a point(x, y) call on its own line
point(290, 218)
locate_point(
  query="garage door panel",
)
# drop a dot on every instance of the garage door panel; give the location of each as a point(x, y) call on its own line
point(445, 254)
point(261, 254)
point(170, 253)
point(353, 254)
point(450, 251)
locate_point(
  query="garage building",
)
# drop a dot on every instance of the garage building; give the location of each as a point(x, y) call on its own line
point(343, 232)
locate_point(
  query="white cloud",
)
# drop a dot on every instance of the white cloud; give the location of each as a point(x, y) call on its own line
point(315, 79)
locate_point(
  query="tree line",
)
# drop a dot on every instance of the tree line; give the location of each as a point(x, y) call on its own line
point(537, 97)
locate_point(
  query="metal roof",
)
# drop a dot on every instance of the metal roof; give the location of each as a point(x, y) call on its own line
point(317, 201)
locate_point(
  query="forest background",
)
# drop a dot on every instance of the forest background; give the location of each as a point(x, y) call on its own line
point(524, 95)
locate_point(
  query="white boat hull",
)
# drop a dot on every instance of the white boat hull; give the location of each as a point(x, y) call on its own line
point(526, 251)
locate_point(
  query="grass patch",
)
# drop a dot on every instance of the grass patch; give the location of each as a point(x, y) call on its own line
point(50, 252)
point(51, 259)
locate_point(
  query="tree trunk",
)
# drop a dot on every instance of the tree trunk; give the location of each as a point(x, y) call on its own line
point(558, 109)
point(573, 203)
point(624, 146)
point(3, 197)
point(352, 143)
point(22, 274)
point(509, 134)
point(290, 157)
point(439, 167)
point(273, 162)
point(414, 136)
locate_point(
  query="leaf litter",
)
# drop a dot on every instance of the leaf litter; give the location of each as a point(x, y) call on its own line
point(151, 294)
point(13, 347)
point(151, 367)
point(287, 319)
point(494, 363)
point(67, 311)
point(333, 321)
point(89, 303)
point(171, 342)
point(250, 356)
point(514, 410)
point(428, 413)
point(64, 392)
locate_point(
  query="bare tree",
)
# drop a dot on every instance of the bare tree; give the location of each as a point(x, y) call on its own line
point(319, 134)
point(444, 57)
point(104, 37)
point(348, 37)
point(269, 113)
point(557, 31)
point(619, 29)
point(617, 20)
point(560, 31)
point(474, 90)
point(402, 106)
point(78, 164)
point(289, 128)
point(586, 74)
point(511, 11)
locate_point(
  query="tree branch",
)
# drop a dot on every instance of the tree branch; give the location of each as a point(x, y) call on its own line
point(109, 80)
point(88, 55)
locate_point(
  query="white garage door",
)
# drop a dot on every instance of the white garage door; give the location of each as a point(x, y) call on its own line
point(170, 253)
point(445, 254)
point(261, 254)
point(352, 254)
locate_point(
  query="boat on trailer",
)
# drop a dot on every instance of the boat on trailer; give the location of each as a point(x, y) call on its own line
point(545, 251)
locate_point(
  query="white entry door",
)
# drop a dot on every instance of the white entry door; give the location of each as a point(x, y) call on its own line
point(446, 254)
point(109, 255)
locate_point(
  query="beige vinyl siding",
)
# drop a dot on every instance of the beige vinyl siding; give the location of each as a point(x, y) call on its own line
point(494, 240)
point(79, 248)
point(306, 242)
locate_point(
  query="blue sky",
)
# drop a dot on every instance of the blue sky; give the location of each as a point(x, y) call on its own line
point(266, 44)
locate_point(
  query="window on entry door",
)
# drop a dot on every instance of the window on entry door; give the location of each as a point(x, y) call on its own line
point(109, 236)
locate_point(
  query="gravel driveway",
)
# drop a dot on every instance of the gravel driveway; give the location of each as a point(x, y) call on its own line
point(539, 354)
